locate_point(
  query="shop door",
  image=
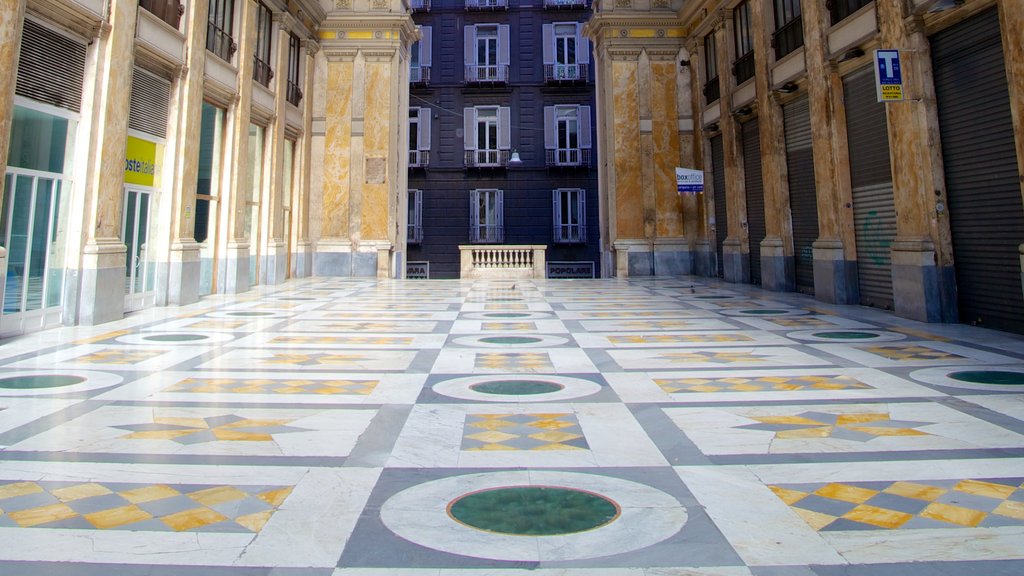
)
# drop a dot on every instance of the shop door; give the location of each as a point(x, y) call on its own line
point(721, 207)
point(803, 200)
point(139, 290)
point(756, 227)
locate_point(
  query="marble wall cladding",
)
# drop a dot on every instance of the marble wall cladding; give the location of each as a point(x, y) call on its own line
point(332, 264)
point(665, 129)
point(102, 296)
point(629, 209)
point(337, 162)
point(11, 14)
point(378, 122)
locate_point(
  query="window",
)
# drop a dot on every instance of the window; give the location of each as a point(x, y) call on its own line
point(419, 137)
point(566, 52)
point(567, 136)
point(419, 5)
point(789, 30)
point(486, 216)
point(294, 54)
point(486, 4)
point(420, 58)
point(487, 134)
point(840, 9)
point(415, 235)
point(570, 216)
point(261, 71)
point(219, 28)
point(169, 11)
point(487, 53)
point(711, 87)
point(743, 67)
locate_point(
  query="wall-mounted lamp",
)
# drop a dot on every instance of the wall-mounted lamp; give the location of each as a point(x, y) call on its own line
point(787, 88)
point(851, 54)
point(741, 112)
point(711, 127)
point(684, 63)
point(515, 161)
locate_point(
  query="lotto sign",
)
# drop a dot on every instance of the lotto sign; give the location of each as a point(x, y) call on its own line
point(689, 181)
point(888, 75)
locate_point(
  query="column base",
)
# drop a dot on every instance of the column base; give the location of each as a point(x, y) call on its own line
point(101, 298)
point(183, 273)
point(736, 265)
point(302, 260)
point(337, 258)
point(702, 262)
point(778, 271)
point(916, 280)
point(274, 264)
point(672, 257)
point(236, 264)
point(835, 277)
point(633, 258)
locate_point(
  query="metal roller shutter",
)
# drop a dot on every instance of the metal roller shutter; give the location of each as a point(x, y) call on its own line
point(874, 213)
point(982, 179)
point(803, 201)
point(721, 210)
point(51, 67)
point(149, 103)
point(756, 229)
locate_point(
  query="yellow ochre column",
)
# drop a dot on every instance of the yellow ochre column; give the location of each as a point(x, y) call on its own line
point(1011, 18)
point(367, 71)
point(275, 267)
point(12, 16)
point(300, 209)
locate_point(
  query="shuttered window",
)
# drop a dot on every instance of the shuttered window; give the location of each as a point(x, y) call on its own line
point(803, 201)
point(51, 67)
point(150, 102)
point(721, 209)
point(756, 230)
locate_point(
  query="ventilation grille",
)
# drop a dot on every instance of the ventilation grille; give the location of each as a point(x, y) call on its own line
point(150, 97)
point(51, 67)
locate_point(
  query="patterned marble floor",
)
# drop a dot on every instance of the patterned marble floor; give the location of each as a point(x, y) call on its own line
point(337, 427)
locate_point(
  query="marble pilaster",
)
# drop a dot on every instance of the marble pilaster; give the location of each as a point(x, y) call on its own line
point(1011, 20)
point(736, 265)
point(303, 256)
point(274, 265)
point(12, 15)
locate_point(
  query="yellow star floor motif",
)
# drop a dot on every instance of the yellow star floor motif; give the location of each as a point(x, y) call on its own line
point(767, 383)
point(314, 358)
point(498, 432)
point(714, 357)
point(515, 361)
point(228, 428)
point(343, 340)
point(857, 427)
point(678, 338)
point(268, 386)
point(911, 352)
point(119, 356)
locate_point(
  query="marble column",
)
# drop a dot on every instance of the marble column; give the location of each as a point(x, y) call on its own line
point(101, 296)
point(694, 221)
point(12, 16)
point(182, 284)
point(274, 268)
point(236, 159)
point(671, 250)
point(835, 262)
point(736, 265)
point(921, 257)
point(303, 257)
point(1011, 22)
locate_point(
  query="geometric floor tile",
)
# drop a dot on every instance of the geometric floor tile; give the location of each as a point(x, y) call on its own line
point(740, 384)
point(559, 431)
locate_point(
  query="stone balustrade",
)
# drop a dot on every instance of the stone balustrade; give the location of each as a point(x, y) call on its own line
point(502, 261)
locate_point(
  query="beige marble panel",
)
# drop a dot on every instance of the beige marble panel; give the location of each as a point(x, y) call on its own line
point(1011, 15)
point(11, 14)
point(629, 212)
point(665, 128)
point(337, 162)
point(377, 121)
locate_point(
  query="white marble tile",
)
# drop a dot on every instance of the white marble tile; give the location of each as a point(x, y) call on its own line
point(718, 357)
point(112, 357)
point(16, 412)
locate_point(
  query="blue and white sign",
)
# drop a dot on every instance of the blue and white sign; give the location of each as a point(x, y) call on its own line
point(888, 75)
point(689, 181)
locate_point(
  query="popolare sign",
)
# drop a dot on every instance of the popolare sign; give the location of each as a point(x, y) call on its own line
point(689, 181)
point(888, 75)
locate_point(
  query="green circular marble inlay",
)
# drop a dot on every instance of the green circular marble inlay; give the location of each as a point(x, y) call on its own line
point(1002, 377)
point(250, 313)
point(40, 381)
point(516, 387)
point(507, 315)
point(843, 335)
point(510, 340)
point(533, 510)
point(763, 311)
point(176, 337)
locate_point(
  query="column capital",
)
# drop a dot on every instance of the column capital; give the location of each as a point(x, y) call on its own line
point(311, 46)
point(285, 20)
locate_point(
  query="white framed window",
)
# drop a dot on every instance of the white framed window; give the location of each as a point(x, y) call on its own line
point(567, 135)
point(419, 137)
point(487, 133)
point(570, 215)
point(566, 52)
point(486, 53)
point(415, 226)
point(420, 58)
point(486, 216)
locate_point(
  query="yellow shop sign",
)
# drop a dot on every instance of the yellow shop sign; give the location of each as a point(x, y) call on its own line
point(141, 162)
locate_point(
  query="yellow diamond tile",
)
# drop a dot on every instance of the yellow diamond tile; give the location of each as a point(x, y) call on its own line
point(42, 515)
point(492, 424)
point(847, 419)
point(953, 514)
point(797, 420)
point(72, 493)
point(492, 448)
point(734, 380)
point(551, 424)
point(879, 431)
point(788, 496)
point(148, 494)
point(159, 434)
point(239, 436)
point(845, 493)
point(775, 379)
point(787, 387)
point(1010, 508)
point(194, 518)
point(881, 517)
point(817, 520)
point(1000, 491)
point(276, 497)
point(255, 522)
point(491, 436)
point(915, 490)
point(554, 436)
point(703, 389)
point(217, 495)
point(19, 489)
point(554, 447)
point(117, 517)
point(745, 388)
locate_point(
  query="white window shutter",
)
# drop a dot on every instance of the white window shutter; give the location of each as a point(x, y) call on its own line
point(425, 46)
point(550, 129)
point(504, 128)
point(504, 46)
point(585, 140)
point(474, 215)
point(582, 46)
point(424, 132)
point(549, 43)
point(582, 195)
point(469, 128)
point(501, 215)
point(419, 210)
point(556, 211)
point(470, 49)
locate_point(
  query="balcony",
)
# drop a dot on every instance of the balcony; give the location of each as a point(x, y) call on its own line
point(419, 5)
point(419, 158)
point(570, 234)
point(419, 75)
point(565, 73)
point(502, 262)
point(261, 72)
point(743, 67)
point(220, 42)
point(568, 157)
point(170, 11)
point(712, 90)
point(840, 9)
point(487, 158)
point(415, 234)
point(788, 37)
point(486, 4)
point(490, 74)
point(294, 95)
point(565, 4)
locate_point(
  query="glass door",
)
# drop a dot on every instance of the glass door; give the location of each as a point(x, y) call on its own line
point(135, 230)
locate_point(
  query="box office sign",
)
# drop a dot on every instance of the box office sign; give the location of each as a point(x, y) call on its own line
point(689, 181)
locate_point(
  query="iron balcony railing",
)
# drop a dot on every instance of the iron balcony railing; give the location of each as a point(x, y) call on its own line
point(743, 67)
point(555, 4)
point(789, 37)
point(419, 75)
point(419, 5)
point(220, 42)
point(486, 4)
point(570, 234)
point(294, 95)
point(568, 157)
point(493, 234)
point(712, 90)
point(261, 72)
point(487, 158)
point(840, 9)
point(419, 158)
point(565, 72)
point(489, 74)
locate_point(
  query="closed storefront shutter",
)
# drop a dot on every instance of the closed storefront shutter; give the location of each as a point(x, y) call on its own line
point(874, 212)
point(982, 179)
point(803, 201)
point(149, 103)
point(721, 211)
point(51, 67)
point(755, 196)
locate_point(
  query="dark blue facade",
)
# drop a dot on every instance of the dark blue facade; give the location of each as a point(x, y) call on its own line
point(527, 189)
